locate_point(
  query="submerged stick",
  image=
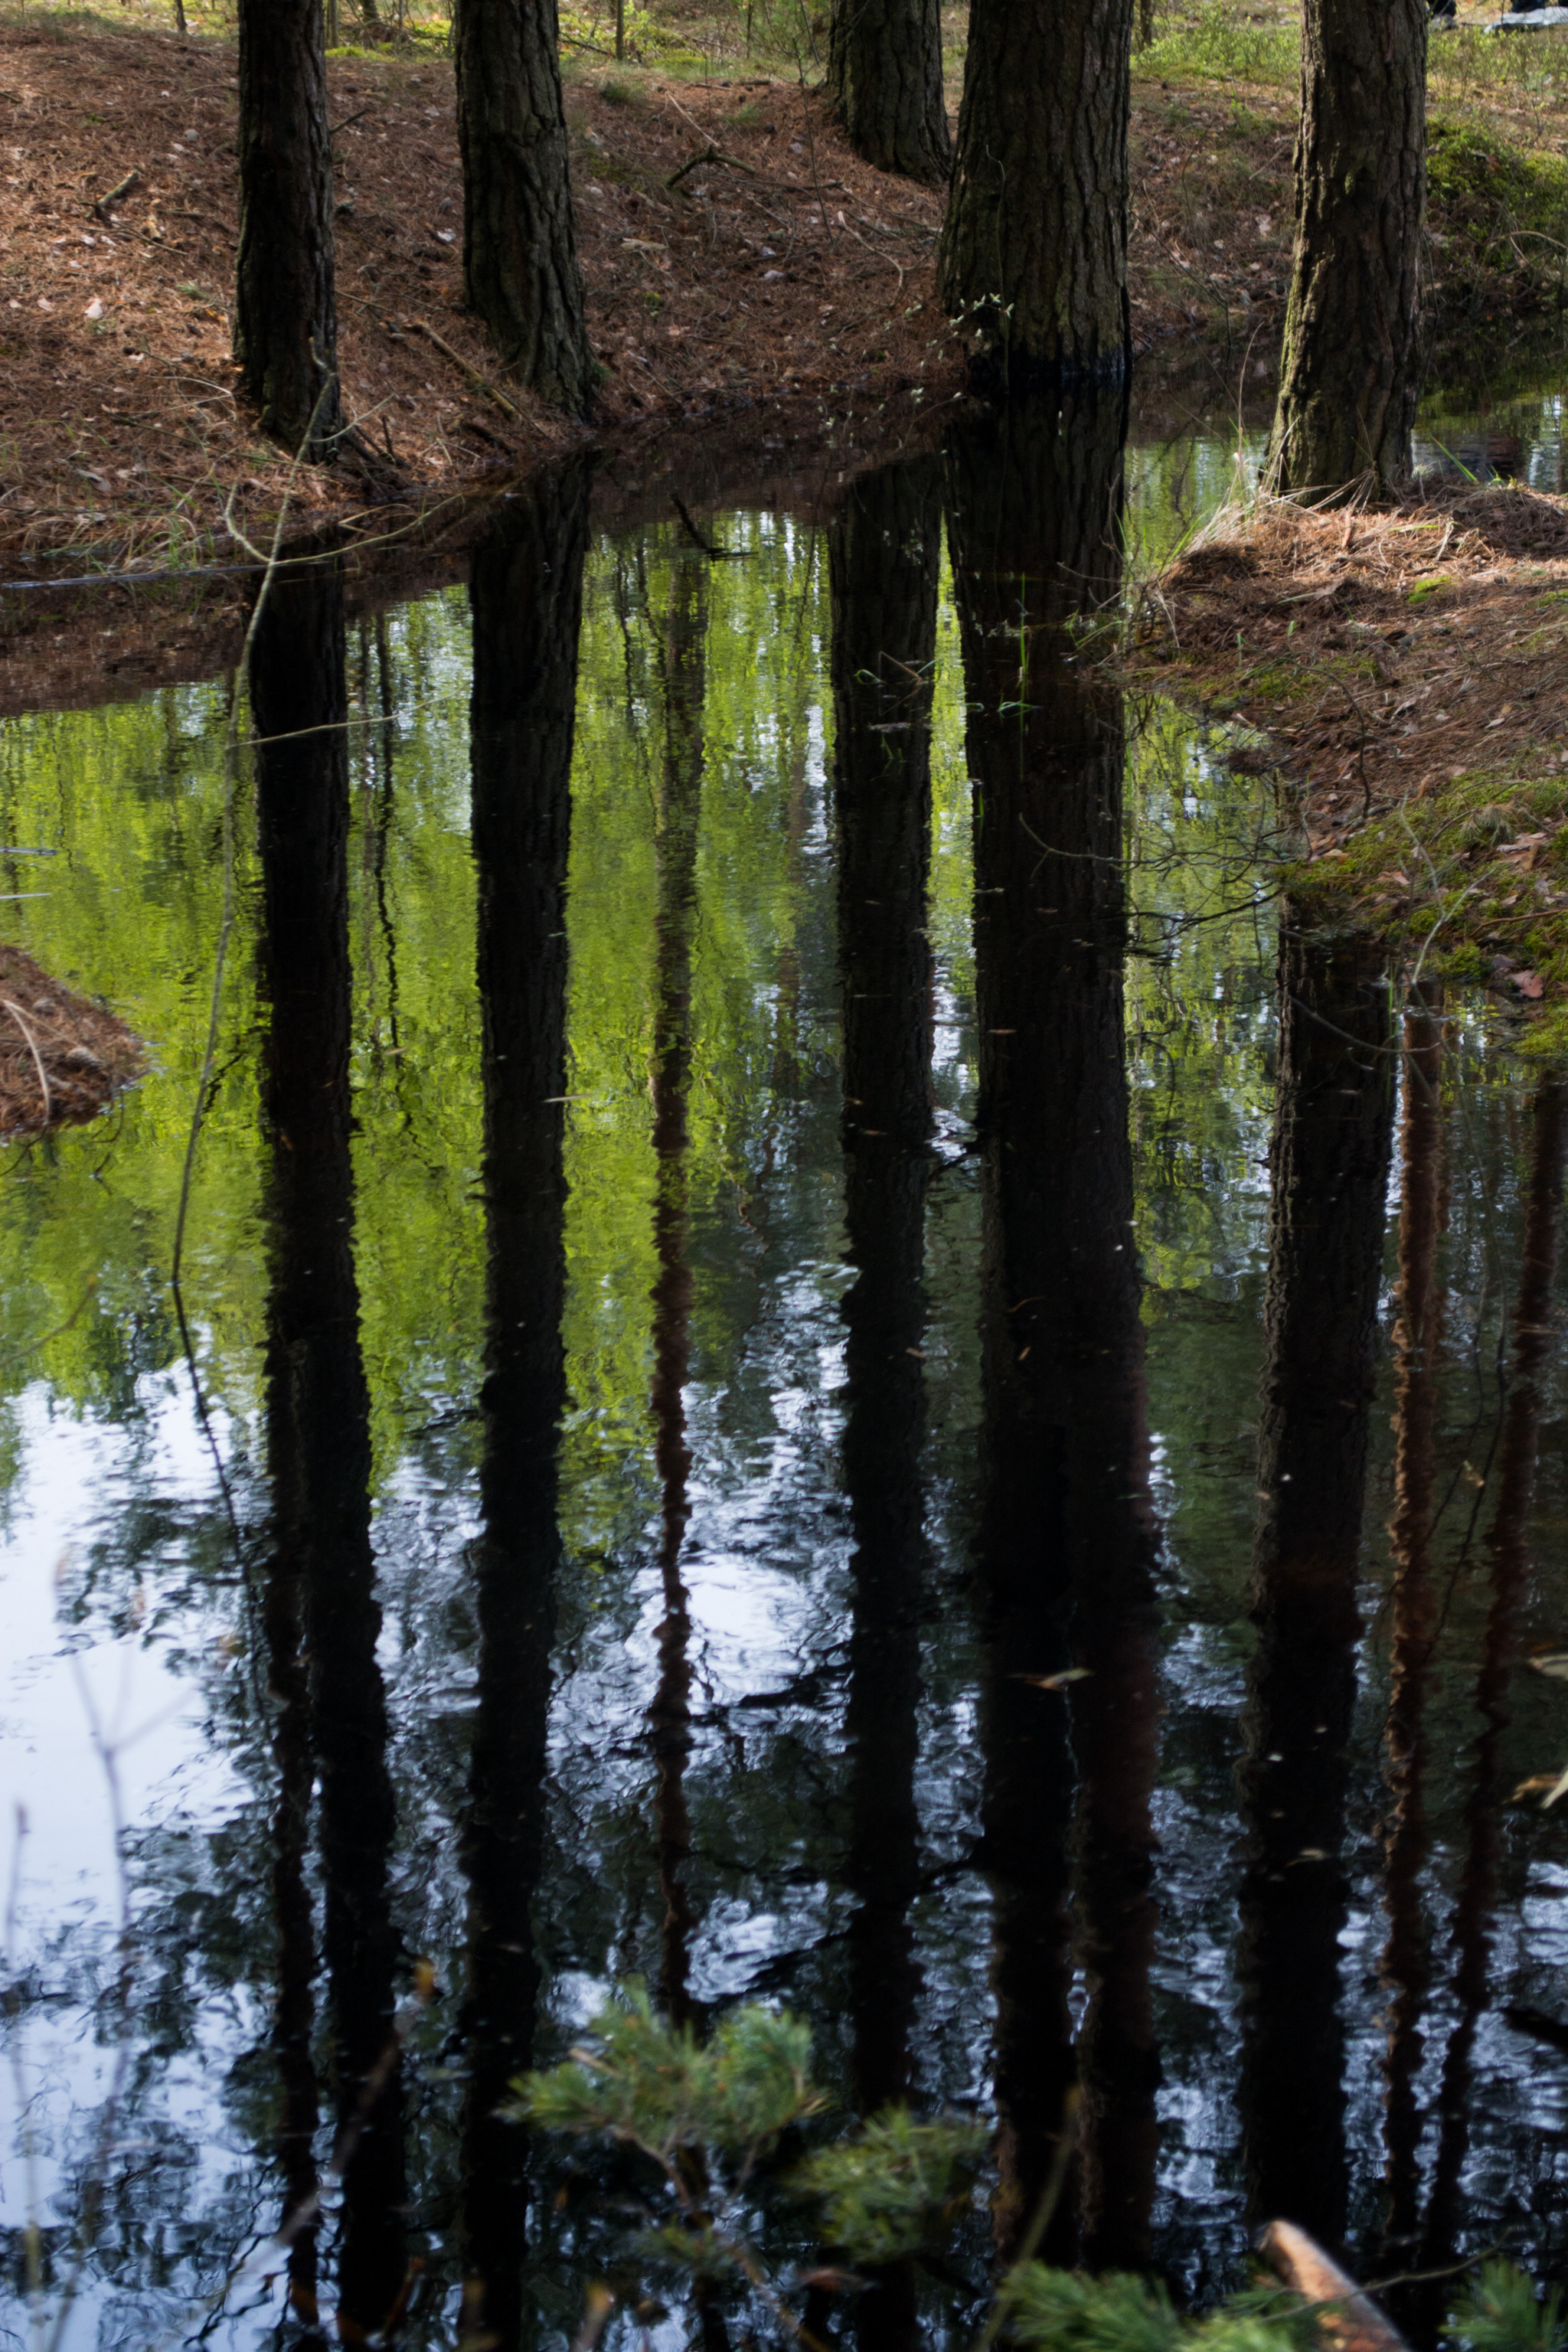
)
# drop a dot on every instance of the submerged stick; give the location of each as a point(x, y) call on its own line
point(1347, 2319)
point(480, 382)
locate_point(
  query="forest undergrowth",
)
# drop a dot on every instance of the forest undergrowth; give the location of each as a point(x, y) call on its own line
point(720, 2165)
point(1403, 671)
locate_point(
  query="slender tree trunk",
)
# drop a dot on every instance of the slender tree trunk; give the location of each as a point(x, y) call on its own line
point(520, 242)
point(318, 1400)
point(1333, 1122)
point(1033, 260)
point(526, 593)
point(884, 79)
point(285, 310)
point(883, 547)
point(1064, 1539)
point(1349, 373)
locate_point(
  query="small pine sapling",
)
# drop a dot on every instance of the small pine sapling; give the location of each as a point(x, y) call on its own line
point(708, 2114)
point(896, 2186)
point(1500, 2312)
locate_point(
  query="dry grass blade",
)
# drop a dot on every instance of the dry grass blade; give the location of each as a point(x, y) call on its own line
point(63, 1058)
point(17, 1016)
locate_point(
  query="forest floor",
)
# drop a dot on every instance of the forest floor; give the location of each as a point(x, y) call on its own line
point(1405, 672)
point(781, 273)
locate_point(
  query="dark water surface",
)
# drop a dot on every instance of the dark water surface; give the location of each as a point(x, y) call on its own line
point(775, 1174)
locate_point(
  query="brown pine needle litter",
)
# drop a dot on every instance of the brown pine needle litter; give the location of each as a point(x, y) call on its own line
point(63, 1058)
point(1405, 671)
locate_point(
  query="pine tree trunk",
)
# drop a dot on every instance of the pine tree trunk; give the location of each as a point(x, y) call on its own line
point(285, 310)
point(884, 81)
point(1034, 249)
point(519, 243)
point(1349, 373)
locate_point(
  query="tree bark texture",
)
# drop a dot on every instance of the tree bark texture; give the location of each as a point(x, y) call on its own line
point(525, 593)
point(1032, 258)
point(520, 274)
point(285, 310)
point(884, 546)
point(884, 81)
point(318, 1400)
point(1350, 368)
point(1333, 1122)
point(1066, 1537)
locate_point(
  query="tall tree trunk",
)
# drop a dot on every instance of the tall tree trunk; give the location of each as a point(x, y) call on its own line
point(883, 547)
point(884, 81)
point(285, 310)
point(1334, 1121)
point(1033, 260)
point(1349, 371)
point(526, 593)
point(318, 1400)
point(520, 242)
point(1065, 1541)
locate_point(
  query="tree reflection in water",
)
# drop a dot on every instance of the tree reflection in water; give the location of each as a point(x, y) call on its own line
point(1329, 1159)
point(322, 1616)
point(883, 546)
point(625, 1236)
point(525, 594)
point(1065, 1533)
point(1417, 1344)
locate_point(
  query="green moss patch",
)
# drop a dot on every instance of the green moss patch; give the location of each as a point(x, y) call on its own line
point(1471, 875)
point(1498, 207)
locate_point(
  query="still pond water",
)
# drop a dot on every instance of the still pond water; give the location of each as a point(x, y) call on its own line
point(775, 1173)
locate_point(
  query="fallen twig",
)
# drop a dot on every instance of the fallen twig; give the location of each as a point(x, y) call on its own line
point(15, 1012)
point(478, 382)
point(718, 554)
point(1535, 2022)
point(1346, 2317)
point(708, 155)
point(123, 188)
